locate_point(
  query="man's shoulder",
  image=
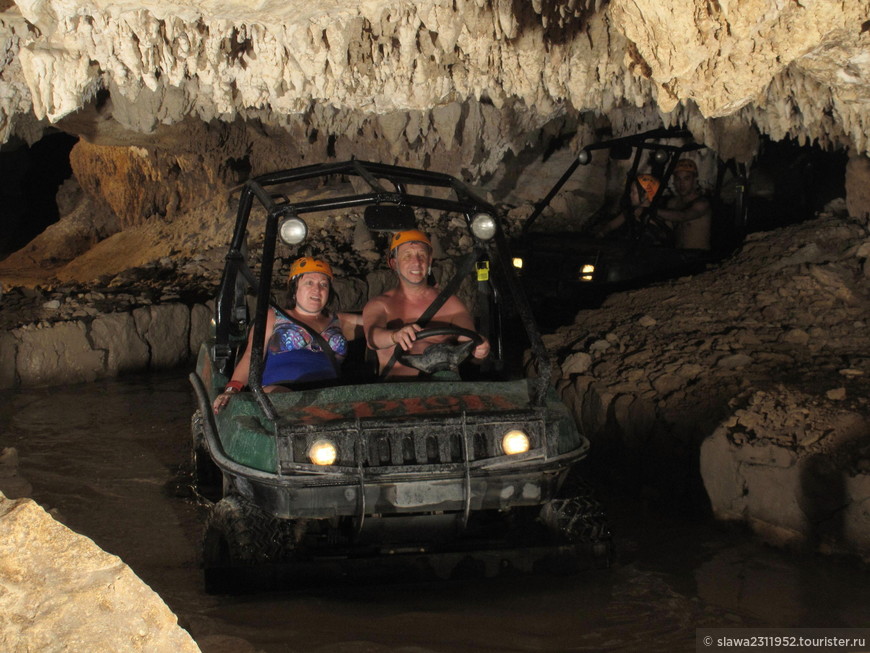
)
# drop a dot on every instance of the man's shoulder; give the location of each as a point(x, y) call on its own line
point(702, 203)
point(384, 296)
point(385, 300)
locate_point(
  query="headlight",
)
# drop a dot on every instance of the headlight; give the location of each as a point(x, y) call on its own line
point(584, 157)
point(322, 452)
point(293, 230)
point(515, 442)
point(518, 262)
point(483, 226)
point(586, 272)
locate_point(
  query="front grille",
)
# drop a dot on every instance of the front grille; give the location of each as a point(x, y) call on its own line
point(435, 442)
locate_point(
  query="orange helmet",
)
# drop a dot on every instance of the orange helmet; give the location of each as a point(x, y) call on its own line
point(688, 165)
point(649, 184)
point(409, 236)
point(307, 264)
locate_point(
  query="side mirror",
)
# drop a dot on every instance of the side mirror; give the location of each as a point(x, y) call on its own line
point(389, 217)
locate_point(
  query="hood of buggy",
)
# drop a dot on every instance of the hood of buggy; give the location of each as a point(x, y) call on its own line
point(250, 438)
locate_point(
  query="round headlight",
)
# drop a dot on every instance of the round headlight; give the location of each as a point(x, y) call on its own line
point(518, 262)
point(293, 230)
point(322, 452)
point(483, 226)
point(514, 442)
point(584, 157)
point(660, 156)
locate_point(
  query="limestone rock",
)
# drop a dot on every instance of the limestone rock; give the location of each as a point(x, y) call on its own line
point(61, 592)
point(576, 363)
point(200, 325)
point(165, 329)
point(47, 354)
point(785, 67)
point(754, 383)
point(116, 334)
point(809, 485)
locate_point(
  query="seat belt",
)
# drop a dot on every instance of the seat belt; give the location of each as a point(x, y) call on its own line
point(319, 339)
point(463, 270)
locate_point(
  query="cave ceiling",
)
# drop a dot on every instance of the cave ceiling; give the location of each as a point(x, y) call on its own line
point(139, 72)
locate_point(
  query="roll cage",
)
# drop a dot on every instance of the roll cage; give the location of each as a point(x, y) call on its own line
point(663, 162)
point(387, 187)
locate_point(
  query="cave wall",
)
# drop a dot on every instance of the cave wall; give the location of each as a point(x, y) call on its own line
point(781, 68)
point(174, 103)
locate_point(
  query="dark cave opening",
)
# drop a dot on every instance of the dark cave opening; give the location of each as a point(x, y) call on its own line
point(790, 183)
point(29, 180)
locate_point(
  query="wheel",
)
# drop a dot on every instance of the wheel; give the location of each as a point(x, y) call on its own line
point(444, 355)
point(238, 535)
point(207, 477)
point(580, 519)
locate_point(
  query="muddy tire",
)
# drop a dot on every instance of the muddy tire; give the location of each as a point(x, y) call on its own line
point(579, 518)
point(207, 477)
point(238, 537)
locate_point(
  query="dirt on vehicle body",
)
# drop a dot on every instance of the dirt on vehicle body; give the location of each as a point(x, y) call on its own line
point(424, 467)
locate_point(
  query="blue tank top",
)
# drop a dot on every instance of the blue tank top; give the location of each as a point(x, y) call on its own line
point(292, 355)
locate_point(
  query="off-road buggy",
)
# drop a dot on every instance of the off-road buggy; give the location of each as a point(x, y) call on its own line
point(466, 465)
point(571, 264)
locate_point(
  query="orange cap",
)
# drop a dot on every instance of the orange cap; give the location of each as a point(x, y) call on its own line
point(686, 164)
point(307, 264)
point(650, 185)
point(409, 236)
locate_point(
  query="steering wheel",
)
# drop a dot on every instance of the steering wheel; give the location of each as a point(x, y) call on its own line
point(441, 356)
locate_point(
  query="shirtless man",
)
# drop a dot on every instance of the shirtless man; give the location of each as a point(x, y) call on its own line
point(689, 212)
point(390, 319)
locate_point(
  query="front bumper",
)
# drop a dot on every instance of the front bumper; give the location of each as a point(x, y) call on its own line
point(464, 479)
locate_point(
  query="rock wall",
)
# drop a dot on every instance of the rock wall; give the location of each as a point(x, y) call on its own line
point(795, 467)
point(750, 381)
point(60, 592)
point(147, 338)
point(783, 68)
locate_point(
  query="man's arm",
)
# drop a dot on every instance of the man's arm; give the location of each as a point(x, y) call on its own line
point(697, 209)
point(378, 335)
point(459, 316)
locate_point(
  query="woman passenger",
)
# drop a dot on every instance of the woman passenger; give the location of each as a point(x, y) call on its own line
point(292, 354)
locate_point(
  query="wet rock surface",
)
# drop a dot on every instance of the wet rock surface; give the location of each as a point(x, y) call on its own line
point(61, 592)
point(763, 359)
point(105, 463)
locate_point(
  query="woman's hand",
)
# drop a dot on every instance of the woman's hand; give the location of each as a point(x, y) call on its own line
point(220, 401)
point(224, 397)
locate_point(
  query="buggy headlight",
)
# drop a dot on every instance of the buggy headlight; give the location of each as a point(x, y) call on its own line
point(518, 262)
point(293, 230)
point(483, 226)
point(586, 272)
point(322, 452)
point(514, 442)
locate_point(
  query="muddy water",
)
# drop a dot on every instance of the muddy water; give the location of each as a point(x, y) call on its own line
point(108, 458)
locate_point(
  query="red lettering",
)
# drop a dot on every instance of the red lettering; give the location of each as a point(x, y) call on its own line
point(473, 402)
point(313, 413)
point(362, 410)
point(500, 402)
point(440, 401)
point(414, 405)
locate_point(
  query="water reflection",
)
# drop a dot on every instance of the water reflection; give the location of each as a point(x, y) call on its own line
point(108, 458)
